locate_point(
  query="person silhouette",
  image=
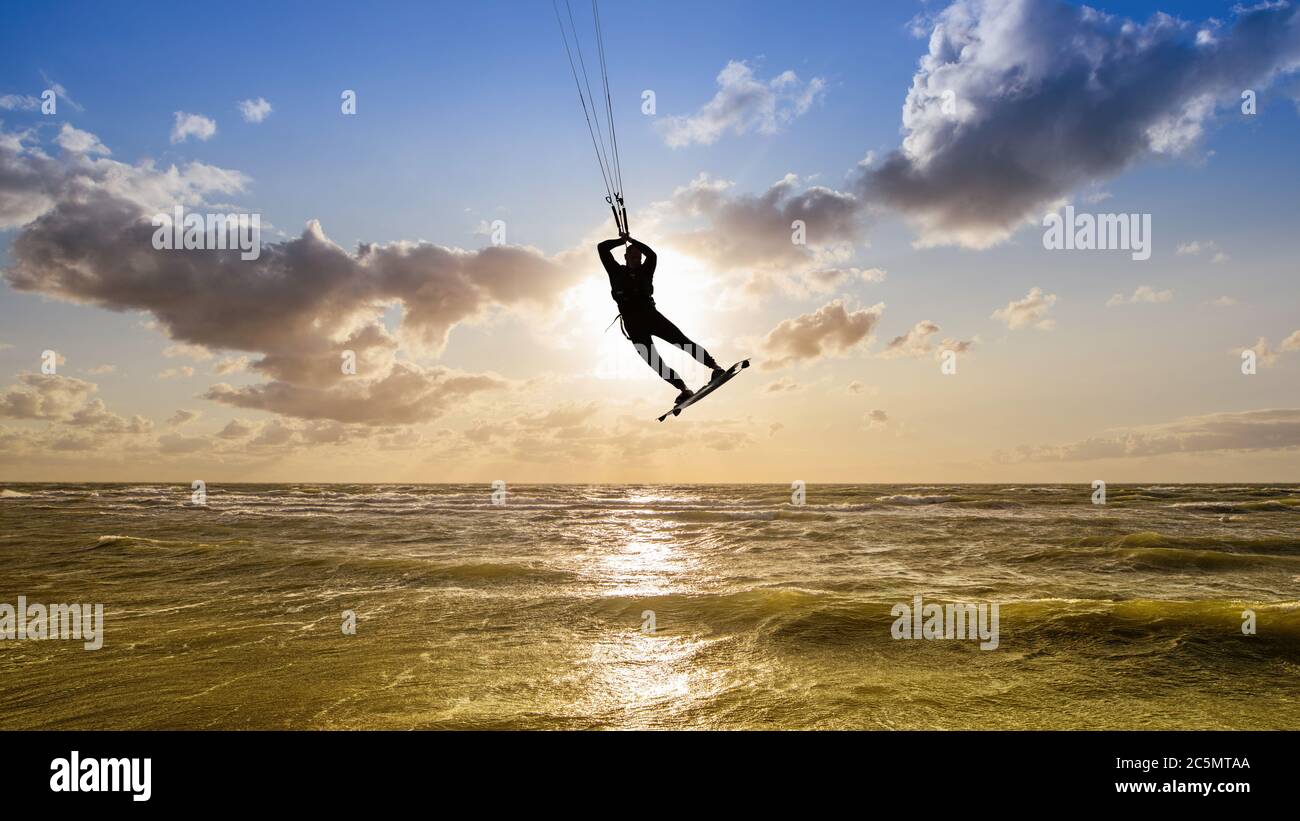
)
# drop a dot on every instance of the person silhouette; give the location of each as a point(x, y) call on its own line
point(632, 286)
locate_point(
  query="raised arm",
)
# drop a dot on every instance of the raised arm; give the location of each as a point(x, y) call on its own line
point(606, 258)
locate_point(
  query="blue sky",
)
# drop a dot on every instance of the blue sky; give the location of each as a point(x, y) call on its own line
point(466, 81)
point(467, 112)
point(446, 93)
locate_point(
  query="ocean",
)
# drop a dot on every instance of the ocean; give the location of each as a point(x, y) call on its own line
point(653, 606)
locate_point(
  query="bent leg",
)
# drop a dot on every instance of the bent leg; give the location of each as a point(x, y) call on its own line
point(645, 348)
point(670, 333)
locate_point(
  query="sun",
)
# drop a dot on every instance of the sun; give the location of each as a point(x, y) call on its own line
point(685, 292)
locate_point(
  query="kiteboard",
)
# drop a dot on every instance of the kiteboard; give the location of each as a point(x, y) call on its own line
point(707, 389)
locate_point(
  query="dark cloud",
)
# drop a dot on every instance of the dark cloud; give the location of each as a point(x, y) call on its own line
point(1019, 102)
point(29, 179)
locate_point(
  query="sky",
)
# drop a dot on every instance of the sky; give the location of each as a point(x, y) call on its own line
point(916, 328)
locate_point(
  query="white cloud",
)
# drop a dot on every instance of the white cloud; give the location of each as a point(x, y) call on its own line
point(742, 104)
point(1028, 312)
point(254, 111)
point(76, 141)
point(1143, 293)
point(1198, 247)
point(19, 102)
point(192, 125)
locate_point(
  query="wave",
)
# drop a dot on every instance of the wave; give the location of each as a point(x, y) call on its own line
point(1156, 540)
point(990, 504)
point(1285, 505)
point(953, 501)
point(367, 569)
point(470, 571)
point(116, 539)
point(1171, 558)
point(716, 516)
point(818, 617)
point(408, 570)
point(917, 499)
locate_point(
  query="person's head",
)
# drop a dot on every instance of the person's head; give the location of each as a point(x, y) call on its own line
point(633, 256)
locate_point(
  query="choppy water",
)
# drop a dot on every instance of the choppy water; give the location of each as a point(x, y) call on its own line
point(767, 614)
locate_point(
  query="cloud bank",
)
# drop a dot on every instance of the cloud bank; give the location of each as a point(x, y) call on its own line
point(1246, 430)
point(86, 237)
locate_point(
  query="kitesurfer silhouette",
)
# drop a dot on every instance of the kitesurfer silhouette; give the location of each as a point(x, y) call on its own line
point(632, 286)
